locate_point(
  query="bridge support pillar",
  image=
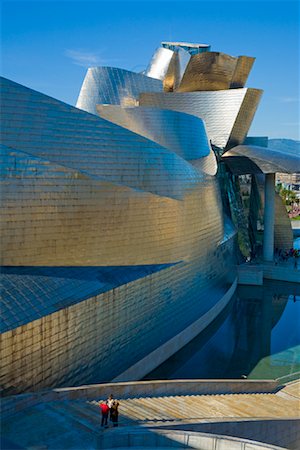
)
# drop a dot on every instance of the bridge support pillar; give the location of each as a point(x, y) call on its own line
point(269, 217)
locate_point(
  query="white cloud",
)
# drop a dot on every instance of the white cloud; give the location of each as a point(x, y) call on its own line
point(84, 58)
point(289, 99)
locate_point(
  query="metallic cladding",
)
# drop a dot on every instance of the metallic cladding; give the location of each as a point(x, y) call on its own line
point(255, 159)
point(222, 111)
point(189, 141)
point(213, 71)
point(245, 116)
point(159, 63)
point(67, 136)
point(113, 86)
point(209, 71)
point(60, 215)
point(242, 69)
point(29, 293)
point(96, 339)
point(55, 216)
point(176, 70)
point(114, 227)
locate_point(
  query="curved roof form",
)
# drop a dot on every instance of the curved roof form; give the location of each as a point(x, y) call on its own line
point(227, 113)
point(113, 86)
point(64, 135)
point(176, 70)
point(211, 71)
point(169, 66)
point(182, 133)
point(246, 159)
point(69, 175)
point(159, 63)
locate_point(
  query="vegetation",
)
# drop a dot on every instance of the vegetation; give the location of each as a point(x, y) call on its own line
point(288, 196)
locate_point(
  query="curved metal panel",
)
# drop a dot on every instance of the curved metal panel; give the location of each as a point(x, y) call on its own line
point(212, 71)
point(79, 174)
point(182, 133)
point(172, 77)
point(159, 63)
point(245, 116)
point(110, 85)
point(218, 109)
point(243, 68)
point(176, 70)
point(209, 71)
point(55, 216)
point(245, 159)
point(65, 135)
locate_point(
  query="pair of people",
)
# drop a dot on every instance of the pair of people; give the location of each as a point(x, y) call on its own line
point(110, 407)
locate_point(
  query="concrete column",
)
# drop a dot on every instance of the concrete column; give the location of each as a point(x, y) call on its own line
point(269, 217)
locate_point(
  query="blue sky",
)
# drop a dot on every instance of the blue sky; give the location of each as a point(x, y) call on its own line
point(47, 45)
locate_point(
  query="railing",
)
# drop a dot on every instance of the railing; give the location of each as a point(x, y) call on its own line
point(287, 378)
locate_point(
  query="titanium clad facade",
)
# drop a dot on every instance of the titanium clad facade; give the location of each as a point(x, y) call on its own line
point(112, 218)
point(176, 70)
point(212, 71)
point(159, 63)
point(109, 85)
point(222, 111)
point(67, 136)
point(245, 116)
point(189, 141)
point(52, 216)
point(255, 159)
point(242, 69)
point(99, 337)
point(147, 191)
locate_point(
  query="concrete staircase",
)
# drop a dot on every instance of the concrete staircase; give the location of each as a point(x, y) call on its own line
point(75, 424)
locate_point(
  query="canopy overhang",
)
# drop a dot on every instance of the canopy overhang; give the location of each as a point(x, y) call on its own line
point(250, 159)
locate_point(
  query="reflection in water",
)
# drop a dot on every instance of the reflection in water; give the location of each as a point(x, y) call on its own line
point(258, 335)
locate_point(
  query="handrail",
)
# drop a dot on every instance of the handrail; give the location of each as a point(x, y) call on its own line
point(290, 377)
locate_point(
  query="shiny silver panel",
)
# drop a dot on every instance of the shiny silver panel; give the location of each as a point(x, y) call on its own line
point(218, 109)
point(159, 63)
point(182, 133)
point(69, 176)
point(67, 136)
point(245, 159)
point(78, 191)
point(176, 70)
point(113, 86)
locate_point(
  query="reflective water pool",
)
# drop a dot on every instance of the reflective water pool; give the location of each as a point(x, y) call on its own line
point(258, 336)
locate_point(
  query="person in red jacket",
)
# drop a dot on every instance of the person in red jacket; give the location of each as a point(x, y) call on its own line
point(104, 411)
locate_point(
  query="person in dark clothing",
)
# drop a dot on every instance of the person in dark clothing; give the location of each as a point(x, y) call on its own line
point(114, 413)
point(104, 411)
